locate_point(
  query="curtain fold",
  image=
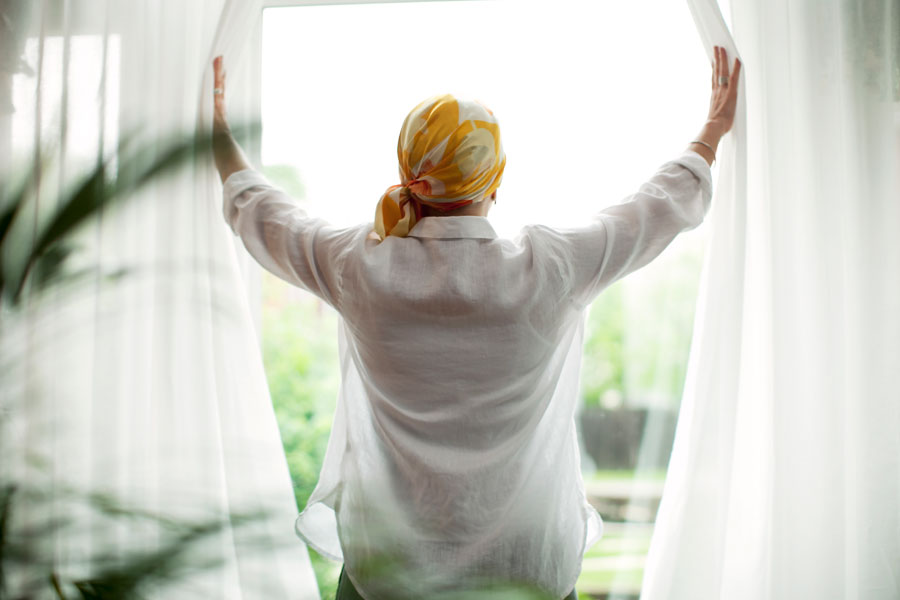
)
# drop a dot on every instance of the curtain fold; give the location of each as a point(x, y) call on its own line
point(144, 391)
point(784, 480)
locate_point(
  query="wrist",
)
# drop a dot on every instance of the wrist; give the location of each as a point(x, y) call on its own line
point(706, 142)
point(220, 123)
point(708, 154)
point(712, 132)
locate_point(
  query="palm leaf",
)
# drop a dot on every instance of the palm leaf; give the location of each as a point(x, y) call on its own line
point(109, 182)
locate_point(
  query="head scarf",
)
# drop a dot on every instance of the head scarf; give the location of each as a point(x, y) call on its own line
point(450, 156)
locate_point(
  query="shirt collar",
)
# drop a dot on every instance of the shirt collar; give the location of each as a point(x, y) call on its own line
point(465, 226)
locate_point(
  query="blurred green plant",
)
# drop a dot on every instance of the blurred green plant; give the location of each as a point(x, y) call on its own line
point(870, 44)
point(116, 576)
point(32, 269)
point(39, 263)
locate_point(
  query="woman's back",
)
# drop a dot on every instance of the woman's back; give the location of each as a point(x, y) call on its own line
point(439, 320)
point(460, 357)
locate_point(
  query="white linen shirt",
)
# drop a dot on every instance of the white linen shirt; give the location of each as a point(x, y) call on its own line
point(453, 459)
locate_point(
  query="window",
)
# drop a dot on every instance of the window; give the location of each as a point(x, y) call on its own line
point(591, 99)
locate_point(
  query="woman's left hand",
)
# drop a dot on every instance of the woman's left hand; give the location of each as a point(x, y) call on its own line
point(227, 153)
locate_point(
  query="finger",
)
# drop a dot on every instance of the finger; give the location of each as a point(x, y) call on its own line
point(723, 62)
point(218, 71)
point(735, 76)
point(721, 66)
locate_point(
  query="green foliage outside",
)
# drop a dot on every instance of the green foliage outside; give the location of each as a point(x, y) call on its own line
point(301, 360)
point(638, 332)
point(288, 177)
point(603, 364)
point(300, 352)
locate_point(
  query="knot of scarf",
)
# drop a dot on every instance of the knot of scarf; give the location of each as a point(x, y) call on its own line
point(450, 155)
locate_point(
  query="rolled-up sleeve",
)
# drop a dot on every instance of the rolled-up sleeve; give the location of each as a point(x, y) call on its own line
point(624, 237)
point(305, 251)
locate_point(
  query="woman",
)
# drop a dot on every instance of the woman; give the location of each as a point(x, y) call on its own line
point(452, 466)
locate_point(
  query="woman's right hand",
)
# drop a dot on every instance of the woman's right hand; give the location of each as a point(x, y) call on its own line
point(722, 105)
point(723, 100)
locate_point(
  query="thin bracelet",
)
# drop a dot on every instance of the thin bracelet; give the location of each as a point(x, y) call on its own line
point(707, 145)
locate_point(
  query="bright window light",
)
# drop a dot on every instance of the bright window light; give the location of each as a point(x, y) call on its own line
point(591, 96)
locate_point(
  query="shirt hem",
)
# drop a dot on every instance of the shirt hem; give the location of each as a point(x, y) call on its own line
point(309, 541)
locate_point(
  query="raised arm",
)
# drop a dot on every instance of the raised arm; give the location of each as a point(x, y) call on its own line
point(229, 156)
point(627, 236)
point(303, 250)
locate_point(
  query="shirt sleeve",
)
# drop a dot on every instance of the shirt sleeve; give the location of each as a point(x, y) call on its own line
point(302, 250)
point(622, 238)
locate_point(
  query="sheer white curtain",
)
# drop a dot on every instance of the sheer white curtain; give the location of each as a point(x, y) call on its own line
point(784, 480)
point(148, 388)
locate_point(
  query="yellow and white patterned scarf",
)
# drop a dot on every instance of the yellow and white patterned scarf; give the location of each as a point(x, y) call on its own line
point(450, 155)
